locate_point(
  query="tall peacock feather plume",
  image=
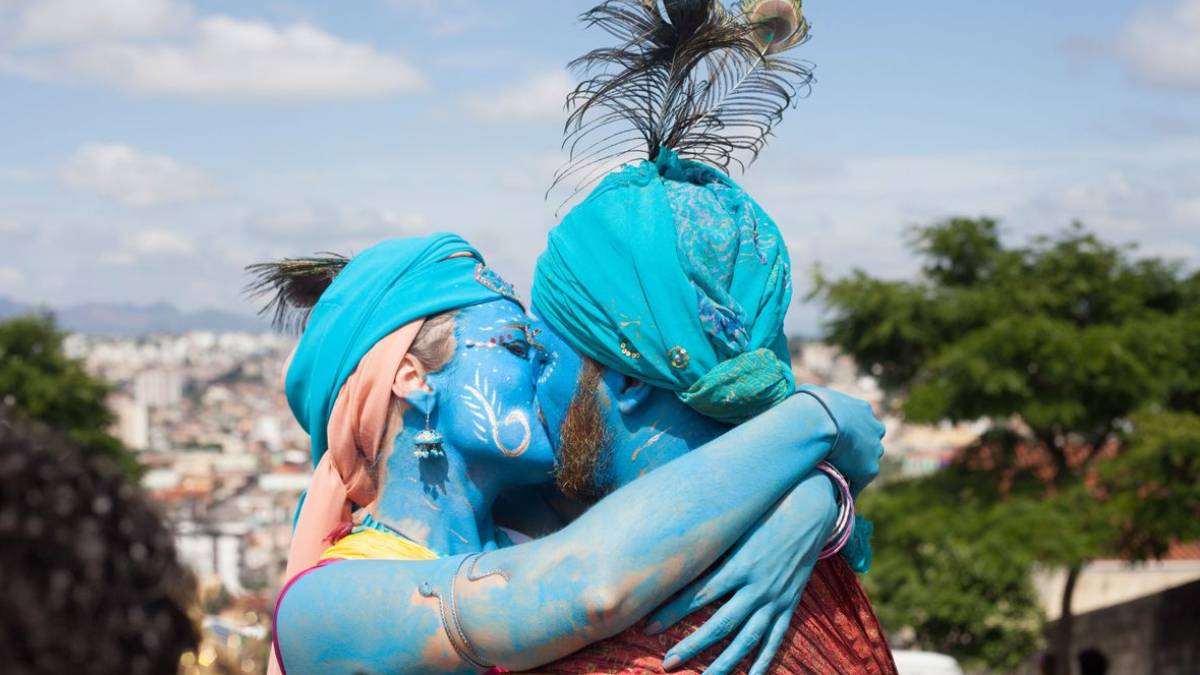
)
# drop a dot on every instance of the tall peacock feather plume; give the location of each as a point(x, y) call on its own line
point(294, 285)
point(688, 75)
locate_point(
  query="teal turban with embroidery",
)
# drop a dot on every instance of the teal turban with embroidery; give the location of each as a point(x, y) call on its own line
point(380, 290)
point(669, 272)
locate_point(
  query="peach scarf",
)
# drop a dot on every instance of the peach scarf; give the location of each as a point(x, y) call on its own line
point(357, 426)
point(356, 431)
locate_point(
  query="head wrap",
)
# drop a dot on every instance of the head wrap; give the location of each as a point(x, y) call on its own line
point(339, 383)
point(669, 272)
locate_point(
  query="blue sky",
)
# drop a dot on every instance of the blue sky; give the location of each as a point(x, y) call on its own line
point(151, 148)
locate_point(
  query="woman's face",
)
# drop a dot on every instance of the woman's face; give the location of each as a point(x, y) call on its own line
point(487, 407)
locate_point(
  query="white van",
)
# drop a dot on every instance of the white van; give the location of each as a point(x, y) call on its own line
point(925, 663)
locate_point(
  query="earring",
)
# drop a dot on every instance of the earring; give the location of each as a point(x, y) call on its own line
point(428, 442)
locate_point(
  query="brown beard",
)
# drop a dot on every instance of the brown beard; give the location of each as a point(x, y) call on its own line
point(584, 439)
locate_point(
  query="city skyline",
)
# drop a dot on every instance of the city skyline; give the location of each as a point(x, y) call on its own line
point(154, 147)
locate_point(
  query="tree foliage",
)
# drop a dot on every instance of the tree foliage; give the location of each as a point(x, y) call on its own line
point(1153, 487)
point(942, 571)
point(1086, 359)
point(39, 381)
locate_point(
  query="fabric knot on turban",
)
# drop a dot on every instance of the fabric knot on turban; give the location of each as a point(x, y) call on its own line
point(669, 272)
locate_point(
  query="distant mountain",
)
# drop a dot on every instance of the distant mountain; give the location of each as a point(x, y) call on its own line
point(126, 320)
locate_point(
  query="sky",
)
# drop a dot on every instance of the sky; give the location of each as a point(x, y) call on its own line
point(150, 149)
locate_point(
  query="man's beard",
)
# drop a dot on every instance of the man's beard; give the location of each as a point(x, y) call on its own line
point(584, 439)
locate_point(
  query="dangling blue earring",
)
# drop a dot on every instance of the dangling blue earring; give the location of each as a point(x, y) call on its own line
point(428, 442)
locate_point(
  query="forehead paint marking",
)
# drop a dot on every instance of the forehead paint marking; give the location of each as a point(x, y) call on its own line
point(489, 415)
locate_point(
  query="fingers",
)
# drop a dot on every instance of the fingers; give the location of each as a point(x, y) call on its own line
point(699, 593)
point(745, 642)
point(731, 615)
point(771, 648)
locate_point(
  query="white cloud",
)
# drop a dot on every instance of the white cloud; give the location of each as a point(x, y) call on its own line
point(18, 175)
point(152, 243)
point(311, 228)
point(164, 47)
point(1162, 47)
point(1156, 209)
point(531, 175)
point(161, 242)
point(74, 21)
point(445, 18)
point(1188, 210)
point(540, 98)
point(10, 276)
point(853, 213)
point(304, 220)
point(134, 178)
point(12, 228)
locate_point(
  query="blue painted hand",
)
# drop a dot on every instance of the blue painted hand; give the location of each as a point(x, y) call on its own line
point(763, 576)
point(859, 445)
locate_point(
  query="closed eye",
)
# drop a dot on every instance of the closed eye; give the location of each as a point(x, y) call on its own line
point(520, 341)
point(518, 347)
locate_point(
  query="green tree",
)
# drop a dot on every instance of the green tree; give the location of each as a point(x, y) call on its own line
point(39, 381)
point(1087, 362)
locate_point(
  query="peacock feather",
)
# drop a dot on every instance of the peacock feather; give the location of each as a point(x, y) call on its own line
point(689, 75)
point(293, 285)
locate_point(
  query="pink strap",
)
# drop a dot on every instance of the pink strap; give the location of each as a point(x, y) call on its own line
point(275, 663)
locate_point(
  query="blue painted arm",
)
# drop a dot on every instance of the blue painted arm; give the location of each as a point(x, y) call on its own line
point(764, 574)
point(527, 605)
point(762, 577)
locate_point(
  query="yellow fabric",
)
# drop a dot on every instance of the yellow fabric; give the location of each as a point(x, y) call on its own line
point(375, 545)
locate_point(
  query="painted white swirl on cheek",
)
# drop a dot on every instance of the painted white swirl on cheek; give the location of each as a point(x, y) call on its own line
point(480, 399)
point(515, 417)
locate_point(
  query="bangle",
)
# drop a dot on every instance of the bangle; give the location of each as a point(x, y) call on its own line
point(844, 527)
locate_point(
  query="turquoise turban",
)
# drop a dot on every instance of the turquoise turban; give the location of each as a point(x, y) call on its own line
point(380, 290)
point(669, 272)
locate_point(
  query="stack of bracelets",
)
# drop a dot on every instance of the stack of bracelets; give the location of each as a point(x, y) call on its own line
point(845, 520)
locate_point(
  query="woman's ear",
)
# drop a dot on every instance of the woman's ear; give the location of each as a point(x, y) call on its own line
point(410, 377)
point(633, 394)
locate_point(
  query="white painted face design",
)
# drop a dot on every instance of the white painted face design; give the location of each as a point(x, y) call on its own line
point(480, 399)
point(486, 395)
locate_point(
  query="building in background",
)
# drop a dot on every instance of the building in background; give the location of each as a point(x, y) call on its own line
point(224, 459)
point(1140, 617)
point(131, 423)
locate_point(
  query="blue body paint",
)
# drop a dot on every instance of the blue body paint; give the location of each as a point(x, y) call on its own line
point(764, 574)
point(529, 604)
point(484, 409)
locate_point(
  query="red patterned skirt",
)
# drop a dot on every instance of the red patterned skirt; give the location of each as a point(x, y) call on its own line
point(834, 632)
